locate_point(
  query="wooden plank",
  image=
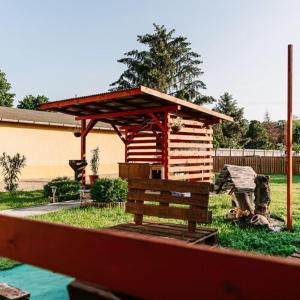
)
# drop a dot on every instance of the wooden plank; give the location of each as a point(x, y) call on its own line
point(190, 168)
point(169, 185)
point(24, 240)
point(144, 153)
point(148, 141)
point(196, 199)
point(146, 159)
point(190, 176)
point(190, 153)
point(169, 231)
point(191, 145)
point(188, 138)
point(190, 160)
point(192, 123)
point(193, 131)
point(192, 214)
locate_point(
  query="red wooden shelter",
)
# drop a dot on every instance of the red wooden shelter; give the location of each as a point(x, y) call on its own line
point(143, 118)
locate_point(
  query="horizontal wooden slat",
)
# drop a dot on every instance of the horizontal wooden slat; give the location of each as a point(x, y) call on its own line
point(146, 159)
point(190, 160)
point(169, 185)
point(190, 145)
point(189, 168)
point(189, 153)
point(143, 153)
point(200, 200)
point(190, 176)
point(148, 141)
point(191, 123)
point(194, 130)
point(188, 214)
point(188, 138)
point(142, 147)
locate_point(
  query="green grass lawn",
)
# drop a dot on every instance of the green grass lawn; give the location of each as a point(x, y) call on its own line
point(21, 199)
point(230, 235)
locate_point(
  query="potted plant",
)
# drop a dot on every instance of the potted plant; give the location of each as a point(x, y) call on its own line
point(177, 124)
point(95, 162)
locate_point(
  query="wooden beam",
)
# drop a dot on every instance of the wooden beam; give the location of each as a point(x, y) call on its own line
point(162, 264)
point(130, 113)
point(289, 140)
point(118, 132)
point(157, 122)
point(89, 127)
point(89, 99)
point(83, 148)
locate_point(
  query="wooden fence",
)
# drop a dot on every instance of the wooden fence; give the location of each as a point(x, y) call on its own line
point(260, 164)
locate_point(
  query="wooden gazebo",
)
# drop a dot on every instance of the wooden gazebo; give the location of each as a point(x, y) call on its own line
point(144, 118)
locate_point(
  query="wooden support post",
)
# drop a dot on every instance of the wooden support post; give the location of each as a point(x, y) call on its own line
point(83, 147)
point(166, 145)
point(289, 139)
point(126, 145)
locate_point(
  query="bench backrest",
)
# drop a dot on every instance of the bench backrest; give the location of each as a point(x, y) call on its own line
point(172, 199)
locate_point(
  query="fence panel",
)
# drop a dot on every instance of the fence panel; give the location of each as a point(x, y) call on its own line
point(260, 164)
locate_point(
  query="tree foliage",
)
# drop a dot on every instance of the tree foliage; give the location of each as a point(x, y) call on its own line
point(167, 64)
point(11, 168)
point(257, 136)
point(6, 98)
point(32, 102)
point(230, 134)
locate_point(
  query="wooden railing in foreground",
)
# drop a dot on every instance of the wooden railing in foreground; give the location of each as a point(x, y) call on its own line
point(149, 268)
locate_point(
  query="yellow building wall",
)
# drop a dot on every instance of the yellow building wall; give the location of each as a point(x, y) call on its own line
point(48, 149)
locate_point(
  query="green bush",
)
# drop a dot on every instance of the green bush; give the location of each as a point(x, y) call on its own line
point(109, 190)
point(67, 189)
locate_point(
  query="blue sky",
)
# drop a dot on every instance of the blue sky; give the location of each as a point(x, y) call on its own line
point(66, 48)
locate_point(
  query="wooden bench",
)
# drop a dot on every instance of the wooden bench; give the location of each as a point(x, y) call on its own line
point(170, 199)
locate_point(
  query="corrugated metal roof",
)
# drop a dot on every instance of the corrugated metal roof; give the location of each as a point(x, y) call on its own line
point(26, 116)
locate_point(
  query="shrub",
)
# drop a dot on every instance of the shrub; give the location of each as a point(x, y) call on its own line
point(11, 168)
point(67, 189)
point(109, 190)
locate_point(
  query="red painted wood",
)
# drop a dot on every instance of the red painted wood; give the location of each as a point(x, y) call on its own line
point(89, 127)
point(166, 145)
point(157, 122)
point(129, 113)
point(149, 268)
point(92, 98)
point(145, 159)
point(83, 148)
point(289, 139)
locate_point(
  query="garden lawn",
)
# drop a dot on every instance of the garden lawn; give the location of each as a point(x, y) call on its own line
point(230, 235)
point(21, 199)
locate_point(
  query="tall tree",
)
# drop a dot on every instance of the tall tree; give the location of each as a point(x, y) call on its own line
point(230, 134)
point(258, 136)
point(6, 98)
point(32, 102)
point(167, 64)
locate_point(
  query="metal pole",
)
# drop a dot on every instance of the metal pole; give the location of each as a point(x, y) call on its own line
point(289, 142)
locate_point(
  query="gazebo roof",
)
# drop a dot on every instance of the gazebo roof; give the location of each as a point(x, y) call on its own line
point(128, 107)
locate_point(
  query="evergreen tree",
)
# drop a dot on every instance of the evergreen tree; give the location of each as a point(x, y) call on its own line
point(230, 134)
point(258, 136)
point(6, 98)
point(167, 64)
point(32, 102)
